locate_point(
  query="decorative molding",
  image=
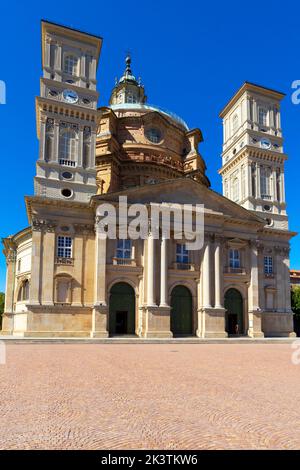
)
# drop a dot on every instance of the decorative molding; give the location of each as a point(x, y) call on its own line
point(84, 228)
point(40, 225)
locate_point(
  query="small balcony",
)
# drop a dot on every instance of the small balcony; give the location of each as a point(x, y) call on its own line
point(230, 270)
point(269, 275)
point(184, 266)
point(124, 261)
point(64, 261)
point(66, 162)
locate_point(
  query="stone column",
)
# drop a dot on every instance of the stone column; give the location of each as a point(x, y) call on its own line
point(48, 264)
point(10, 280)
point(8, 317)
point(100, 311)
point(58, 64)
point(42, 153)
point(213, 319)
point(55, 153)
point(80, 146)
point(157, 317)
point(150, 271)
point(206, 276)
point(100, 269)
point(218, 276)
point(254, 311)
point(163, 273)
point(79, 241)
point(47, 52)
point(282, 186)
point(274, 188)
point(91, 162)
point(286, 279)
point(258, 195)
point(34, 295)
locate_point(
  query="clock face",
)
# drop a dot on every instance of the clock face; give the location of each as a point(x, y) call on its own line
point(265, 144)
point(70, 96)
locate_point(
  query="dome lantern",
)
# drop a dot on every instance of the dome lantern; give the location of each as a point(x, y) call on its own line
point(128, 90)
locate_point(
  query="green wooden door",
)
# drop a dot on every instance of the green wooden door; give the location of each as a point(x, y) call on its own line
point(233, 304)
point(122, 309)
point(181, 312)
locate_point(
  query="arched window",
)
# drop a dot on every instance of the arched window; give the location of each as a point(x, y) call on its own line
point(131, 98)
point(23, 293)
point(71, 64)
point(68, 145)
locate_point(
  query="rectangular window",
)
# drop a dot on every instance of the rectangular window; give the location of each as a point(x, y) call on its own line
point(234, 258)
point(124, 249)
point(262, 116)
point(268, 265)
point(182, 254)
point(64, 247)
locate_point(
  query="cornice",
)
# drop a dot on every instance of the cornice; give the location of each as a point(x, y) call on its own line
point(30, 201)
point(253, 152)
point(251, 87)
point(59, 109)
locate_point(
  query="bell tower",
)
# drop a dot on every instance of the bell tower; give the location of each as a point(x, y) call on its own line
point(66, 113)
point(253, 157)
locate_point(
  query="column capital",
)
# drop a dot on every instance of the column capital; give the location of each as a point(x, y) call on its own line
point(219, 239)
point(209, 237)
point(257, 244)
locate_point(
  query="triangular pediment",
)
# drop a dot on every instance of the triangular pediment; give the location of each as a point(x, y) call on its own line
point(183, 191)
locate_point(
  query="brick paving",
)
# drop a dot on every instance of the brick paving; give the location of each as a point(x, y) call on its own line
point(164, 396)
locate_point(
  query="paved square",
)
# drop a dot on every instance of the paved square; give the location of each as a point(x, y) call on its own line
point(147, 396)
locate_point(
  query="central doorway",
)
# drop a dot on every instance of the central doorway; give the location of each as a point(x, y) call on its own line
point(122, 309)
point(233, 304)
point(181, 311)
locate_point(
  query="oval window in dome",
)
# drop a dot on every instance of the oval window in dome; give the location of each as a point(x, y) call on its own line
point(154, 135)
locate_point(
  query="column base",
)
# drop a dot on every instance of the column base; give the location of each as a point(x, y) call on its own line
point(7, 323)
point(255, 324)
point(214, 323)
point(99, 322)
point(158, 322)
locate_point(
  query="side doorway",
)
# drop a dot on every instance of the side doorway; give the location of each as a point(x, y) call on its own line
point(121, 310)
point(233, 304)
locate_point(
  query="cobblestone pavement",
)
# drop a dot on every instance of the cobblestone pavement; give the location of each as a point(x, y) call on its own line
point(209, 396)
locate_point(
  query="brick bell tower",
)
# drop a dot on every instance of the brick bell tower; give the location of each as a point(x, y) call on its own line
point(66, 113)
point(253, 157)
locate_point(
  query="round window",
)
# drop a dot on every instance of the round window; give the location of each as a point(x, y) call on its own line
point(154, 135)
point(67, 175)
point(267, 208)
point(269, 222)
point(66, 192)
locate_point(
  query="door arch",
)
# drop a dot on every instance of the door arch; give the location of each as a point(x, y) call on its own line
point(233, 303)
point(122, 309)
point(181, 311)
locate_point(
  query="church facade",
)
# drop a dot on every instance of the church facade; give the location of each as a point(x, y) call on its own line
point(64, 279)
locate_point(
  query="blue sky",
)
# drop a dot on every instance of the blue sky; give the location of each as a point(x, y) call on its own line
point(192, 57)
